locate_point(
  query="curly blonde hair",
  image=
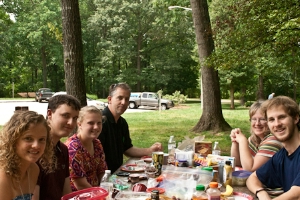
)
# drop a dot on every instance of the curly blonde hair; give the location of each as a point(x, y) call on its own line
point(11, 132)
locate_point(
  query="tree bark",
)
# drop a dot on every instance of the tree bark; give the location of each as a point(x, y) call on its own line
point(232, 106)
point(212, 117)
point(44, 63)
point(73, 50)
point(260, 91)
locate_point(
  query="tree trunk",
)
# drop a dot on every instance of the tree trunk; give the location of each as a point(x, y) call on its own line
point(232, 96)
point(73, 50)
point(260, 91)
point(44, 63)
point(242, 99)
point(212, 117)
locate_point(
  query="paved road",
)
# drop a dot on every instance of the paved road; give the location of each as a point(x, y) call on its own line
point(7, 108)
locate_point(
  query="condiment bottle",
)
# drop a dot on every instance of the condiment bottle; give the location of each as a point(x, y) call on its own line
point(213, 192)
point(200, 194)
point(227, 173)
point(155, 195)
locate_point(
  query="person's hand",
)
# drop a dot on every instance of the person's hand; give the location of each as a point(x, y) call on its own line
point(156, 147)
point(233, 134)
point(236, 135)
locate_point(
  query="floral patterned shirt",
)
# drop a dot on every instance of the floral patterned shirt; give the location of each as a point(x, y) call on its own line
point(82, 164)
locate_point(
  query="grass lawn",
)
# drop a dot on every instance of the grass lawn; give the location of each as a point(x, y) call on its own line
point(149, 127)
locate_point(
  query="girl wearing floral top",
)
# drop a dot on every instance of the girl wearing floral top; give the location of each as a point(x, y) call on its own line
point(86, 156)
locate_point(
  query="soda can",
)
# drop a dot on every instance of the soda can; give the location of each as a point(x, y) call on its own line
point(157, 161)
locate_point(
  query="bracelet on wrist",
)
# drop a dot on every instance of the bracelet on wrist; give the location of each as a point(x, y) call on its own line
point(259, 190)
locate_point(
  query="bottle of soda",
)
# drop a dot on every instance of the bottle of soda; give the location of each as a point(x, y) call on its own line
point(200, 194)
point(216, 150)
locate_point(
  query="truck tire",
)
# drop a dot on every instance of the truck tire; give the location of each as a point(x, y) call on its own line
point(163, 107)
point(132, 105)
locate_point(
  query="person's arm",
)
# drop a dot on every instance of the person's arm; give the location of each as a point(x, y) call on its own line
point(67, 187)
point(254, 184)
point(81, 183)
point(139, 152)
point(292, 194)
point(234, 151)
point(36, 193)
point(6, 191)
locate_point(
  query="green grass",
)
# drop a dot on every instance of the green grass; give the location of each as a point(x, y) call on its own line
point(149, 127)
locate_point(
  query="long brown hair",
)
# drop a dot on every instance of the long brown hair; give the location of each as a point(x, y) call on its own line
point(11, 132)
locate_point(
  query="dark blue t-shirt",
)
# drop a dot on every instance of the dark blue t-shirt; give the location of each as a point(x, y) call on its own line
point(281, 171)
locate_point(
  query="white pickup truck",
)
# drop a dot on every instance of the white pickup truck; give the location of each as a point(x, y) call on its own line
point(148, 99)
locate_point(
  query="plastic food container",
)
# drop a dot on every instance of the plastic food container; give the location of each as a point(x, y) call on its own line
point(126, 195)
point(239, 178)
point(93, 193)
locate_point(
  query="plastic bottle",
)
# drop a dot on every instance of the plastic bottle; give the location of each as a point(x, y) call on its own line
point(199, 194)
point(106, 184)
point(213, 192)
point(171, 150)
point(227, 173)
point(171, 143)
point(106, 176)
point(216, 150)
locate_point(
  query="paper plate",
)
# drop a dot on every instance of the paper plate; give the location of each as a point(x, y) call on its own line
point(132, 168)
point(242, 196)
point(147, 159)
point(161, 190)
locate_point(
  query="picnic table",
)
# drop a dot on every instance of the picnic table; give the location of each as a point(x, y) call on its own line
point(237, 189)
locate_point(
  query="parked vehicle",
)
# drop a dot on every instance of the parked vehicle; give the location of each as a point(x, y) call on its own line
point(90, 102)
point(43, 94)
point(148, 99)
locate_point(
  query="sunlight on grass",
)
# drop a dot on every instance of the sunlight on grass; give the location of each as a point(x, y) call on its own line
point(149, 127)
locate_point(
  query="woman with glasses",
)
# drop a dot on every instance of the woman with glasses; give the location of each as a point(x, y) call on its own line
point(253, 152)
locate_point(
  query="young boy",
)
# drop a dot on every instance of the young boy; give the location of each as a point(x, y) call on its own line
point(62, 117)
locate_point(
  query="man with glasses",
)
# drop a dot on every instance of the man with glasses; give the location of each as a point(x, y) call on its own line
point(115, 137)
point(282, 170)
point(253, 152)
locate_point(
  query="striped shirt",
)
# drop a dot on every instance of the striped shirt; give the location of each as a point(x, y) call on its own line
point(267, 147)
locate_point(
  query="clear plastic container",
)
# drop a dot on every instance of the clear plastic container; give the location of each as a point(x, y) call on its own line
point(213, 192)
point(239, 178)
point(126, 195)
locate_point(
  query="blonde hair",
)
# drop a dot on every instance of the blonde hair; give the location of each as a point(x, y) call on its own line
point(88, 109)
point(12, 131)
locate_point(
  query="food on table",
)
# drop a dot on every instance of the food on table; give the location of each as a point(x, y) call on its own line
point(228, 192)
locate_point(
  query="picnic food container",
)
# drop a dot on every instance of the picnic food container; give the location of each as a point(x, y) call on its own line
point(93, 193)
point(240, 177)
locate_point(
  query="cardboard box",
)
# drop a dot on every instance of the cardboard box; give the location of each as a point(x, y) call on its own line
point(203, 148)
point(222, 159)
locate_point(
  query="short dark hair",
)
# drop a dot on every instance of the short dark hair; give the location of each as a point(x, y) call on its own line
point(56, 101)
point(115, 86)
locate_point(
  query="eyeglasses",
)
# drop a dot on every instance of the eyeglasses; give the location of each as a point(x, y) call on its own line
point(260, 120)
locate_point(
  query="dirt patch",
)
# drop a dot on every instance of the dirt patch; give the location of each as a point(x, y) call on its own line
point(180, 107)
point(27, 94)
